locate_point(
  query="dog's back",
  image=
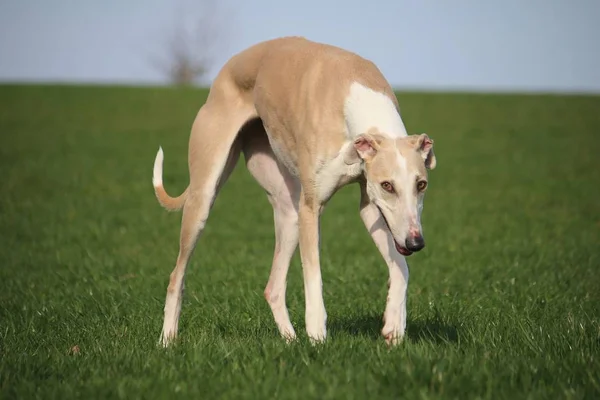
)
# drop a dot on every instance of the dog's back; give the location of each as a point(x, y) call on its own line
point(294, 64)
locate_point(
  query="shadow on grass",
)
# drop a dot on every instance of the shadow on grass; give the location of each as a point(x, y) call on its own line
point(431, 330)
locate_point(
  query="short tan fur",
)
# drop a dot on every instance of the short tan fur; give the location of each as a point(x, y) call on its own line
point(310, 118)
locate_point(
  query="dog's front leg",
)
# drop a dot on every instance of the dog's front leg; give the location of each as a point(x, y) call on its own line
point(315, 315)
point(395, 309)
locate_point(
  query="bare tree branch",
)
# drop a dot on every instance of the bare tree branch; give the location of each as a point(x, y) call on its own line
point(190, 46)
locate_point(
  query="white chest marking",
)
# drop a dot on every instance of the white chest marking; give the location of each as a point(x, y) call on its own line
point(365, 108)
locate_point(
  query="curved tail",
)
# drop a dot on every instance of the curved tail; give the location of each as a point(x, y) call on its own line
point(168, 202)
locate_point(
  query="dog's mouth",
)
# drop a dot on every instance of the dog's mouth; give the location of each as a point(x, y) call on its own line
point(402, 250)
point(399, 248)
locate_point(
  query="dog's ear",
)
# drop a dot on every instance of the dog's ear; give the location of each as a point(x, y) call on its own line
point(424, 146)
point(364, 148)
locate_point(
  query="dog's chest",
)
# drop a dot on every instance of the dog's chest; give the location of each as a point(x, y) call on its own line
point(330, 175)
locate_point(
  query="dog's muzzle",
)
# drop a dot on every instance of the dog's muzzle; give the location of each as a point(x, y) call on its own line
point(415, 243)
point(410, 245)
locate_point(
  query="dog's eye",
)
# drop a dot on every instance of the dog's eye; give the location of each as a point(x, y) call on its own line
point(387, 187)
point(421, 185)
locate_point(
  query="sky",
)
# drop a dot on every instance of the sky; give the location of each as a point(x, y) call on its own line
point(473, 45)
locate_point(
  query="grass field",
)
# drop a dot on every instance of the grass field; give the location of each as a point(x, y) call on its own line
point(503, 302)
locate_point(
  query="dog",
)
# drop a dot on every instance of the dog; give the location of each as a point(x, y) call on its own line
point(310, 118)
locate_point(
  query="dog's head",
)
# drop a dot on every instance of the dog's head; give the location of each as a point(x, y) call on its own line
point(396, 181)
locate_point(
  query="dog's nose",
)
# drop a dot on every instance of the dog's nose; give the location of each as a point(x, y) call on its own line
point(415, 243)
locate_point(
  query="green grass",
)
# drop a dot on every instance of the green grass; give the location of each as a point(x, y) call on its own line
point(504, 302)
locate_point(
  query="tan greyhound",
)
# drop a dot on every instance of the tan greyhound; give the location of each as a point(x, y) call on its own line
point(310, 118)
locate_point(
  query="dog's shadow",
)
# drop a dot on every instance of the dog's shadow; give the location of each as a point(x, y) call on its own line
point(431, 330)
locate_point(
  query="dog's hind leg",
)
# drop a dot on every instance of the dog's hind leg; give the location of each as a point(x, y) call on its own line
point(213, 153)
point(283, 192)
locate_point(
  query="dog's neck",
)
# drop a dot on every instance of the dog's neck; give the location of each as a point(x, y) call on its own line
point(365, 109)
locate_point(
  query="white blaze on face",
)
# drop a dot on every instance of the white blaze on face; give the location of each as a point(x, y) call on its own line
point(412, 211)
point(419, 210)
point(413, 202)
point(406, 187)
point(402, 209)
point(365, 108)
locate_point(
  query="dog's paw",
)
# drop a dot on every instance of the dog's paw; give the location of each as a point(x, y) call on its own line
point(289, 337)
point(166, 339)
point(393, 339)
point(315, 325)
point(317, 336)
point(393, 335)
point(317, 340)
point(286, 331)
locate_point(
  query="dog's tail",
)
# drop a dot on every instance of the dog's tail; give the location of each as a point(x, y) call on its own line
point(168, 202)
